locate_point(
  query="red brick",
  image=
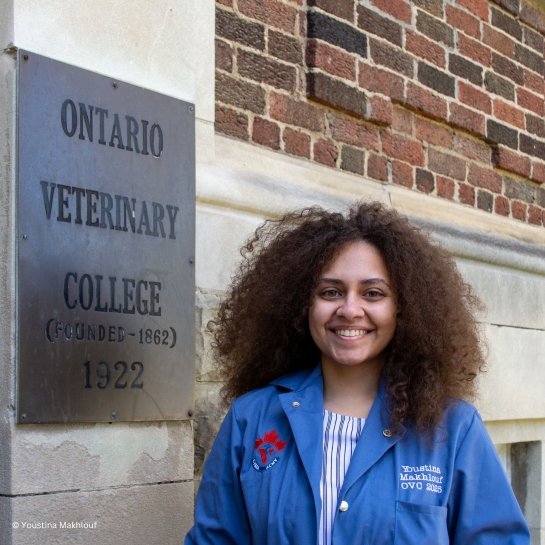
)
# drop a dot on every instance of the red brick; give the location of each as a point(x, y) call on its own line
point(325, 152)
point(518, 210)
point(377, 167)
point(467, 119)
point(357, 134)
point(271, 12)
point(473, 97)
point(533, 16)
point(396, 8)
point(466, 194)
point(402, 121)
point(224, 56)
point(533, 81)
point(380, 111)
point(228, 3)
point(513, 162)
point(296, 112)
point(472, 148)
point(463, 21)
point(232, 123)
point(402, 174)
point(266, 133)
point(485, 178)
point(381, 81)
point(446, 164)
point(433, 133)
point(538, 172)
point(330, 60)
point(296, 143)
point(445, 187)
point(501, 205)
point(426, 49)
point(425, 181)
point(509, 114)
point(400, 147)
point(474, 50)
point(499, 41)
point(424, 101)
point(477, 7)
point(534, 215)
point(530, 101)
point(263, 69)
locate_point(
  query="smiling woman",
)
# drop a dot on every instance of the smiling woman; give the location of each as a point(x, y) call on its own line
point(350, 343)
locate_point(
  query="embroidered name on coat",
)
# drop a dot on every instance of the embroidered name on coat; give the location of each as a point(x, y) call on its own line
point(267, 447)
point(426, 477)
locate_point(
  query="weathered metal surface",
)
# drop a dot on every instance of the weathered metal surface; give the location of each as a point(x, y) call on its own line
point(106, 216)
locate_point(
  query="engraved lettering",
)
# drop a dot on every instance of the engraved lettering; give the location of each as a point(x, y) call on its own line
point(48, 199)
point(73, 118)
point(87, 120)
point(116, 133)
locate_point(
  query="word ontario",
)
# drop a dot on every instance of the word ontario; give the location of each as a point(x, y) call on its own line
point(123, 135)
point(101, 209)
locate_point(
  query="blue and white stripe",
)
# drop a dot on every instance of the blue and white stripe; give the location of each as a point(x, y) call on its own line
point(341, 434)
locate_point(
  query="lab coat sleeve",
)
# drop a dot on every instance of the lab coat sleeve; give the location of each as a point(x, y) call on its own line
point(220, 511)
point(482, 507)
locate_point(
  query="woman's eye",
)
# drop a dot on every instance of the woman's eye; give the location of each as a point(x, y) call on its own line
point(330, 293)
point(373, 294)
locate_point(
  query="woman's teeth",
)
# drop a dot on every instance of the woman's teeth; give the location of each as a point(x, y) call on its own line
point(350, 332)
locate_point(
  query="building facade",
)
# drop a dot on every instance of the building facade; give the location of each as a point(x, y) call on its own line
point(434, 107)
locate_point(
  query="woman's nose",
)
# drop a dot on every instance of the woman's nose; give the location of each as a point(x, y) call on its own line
point(351, 307)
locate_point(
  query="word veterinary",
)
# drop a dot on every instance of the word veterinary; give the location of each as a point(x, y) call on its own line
point(99, 210)
point(152, 139)
point(414, 477)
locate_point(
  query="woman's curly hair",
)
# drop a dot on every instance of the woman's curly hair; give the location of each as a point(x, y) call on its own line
point(262, 331)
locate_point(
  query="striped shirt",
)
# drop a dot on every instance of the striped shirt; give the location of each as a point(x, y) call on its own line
point(341, 434)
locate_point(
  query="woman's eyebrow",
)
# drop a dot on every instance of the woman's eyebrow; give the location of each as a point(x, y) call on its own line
point(375, 281)
point(338, 282)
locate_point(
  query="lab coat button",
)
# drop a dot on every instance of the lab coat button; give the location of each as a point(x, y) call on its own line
point(343, 506)
point(387, 433)
point(296, 404)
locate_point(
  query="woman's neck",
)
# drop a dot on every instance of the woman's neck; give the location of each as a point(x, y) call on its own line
point(350, 389)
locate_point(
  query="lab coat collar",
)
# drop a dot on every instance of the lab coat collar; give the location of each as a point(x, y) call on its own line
point(303, 405)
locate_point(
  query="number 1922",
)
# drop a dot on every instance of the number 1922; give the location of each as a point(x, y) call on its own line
point(104, 374)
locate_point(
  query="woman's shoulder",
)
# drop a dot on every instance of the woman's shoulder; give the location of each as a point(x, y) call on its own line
point(265, 395)
point(461, 418)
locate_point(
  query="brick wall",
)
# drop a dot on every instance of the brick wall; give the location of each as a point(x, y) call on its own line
point(441, 96)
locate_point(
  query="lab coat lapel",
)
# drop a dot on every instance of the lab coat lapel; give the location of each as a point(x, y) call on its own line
point(306, 421)
point(373, 442)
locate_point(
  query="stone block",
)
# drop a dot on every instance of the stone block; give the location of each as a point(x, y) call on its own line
point(57, 458)
point(512, 387)
point(137, 515)
point(513, 298)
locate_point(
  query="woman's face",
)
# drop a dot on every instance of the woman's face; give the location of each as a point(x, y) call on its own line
point(352, 317)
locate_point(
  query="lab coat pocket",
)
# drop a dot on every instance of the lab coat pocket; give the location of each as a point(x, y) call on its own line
point(422, 524)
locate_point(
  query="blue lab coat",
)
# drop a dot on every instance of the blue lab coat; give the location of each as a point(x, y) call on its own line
point(261, 481)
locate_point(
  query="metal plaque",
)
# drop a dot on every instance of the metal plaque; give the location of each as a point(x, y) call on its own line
point(106, 229)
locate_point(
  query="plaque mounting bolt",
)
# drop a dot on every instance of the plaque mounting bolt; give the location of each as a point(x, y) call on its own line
point(25, 57)
point(115, 85)
point(190, 413)
point(23, 416)
point(191, 261)
point(25, 237)
point(191, 109)
point(113, 415)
